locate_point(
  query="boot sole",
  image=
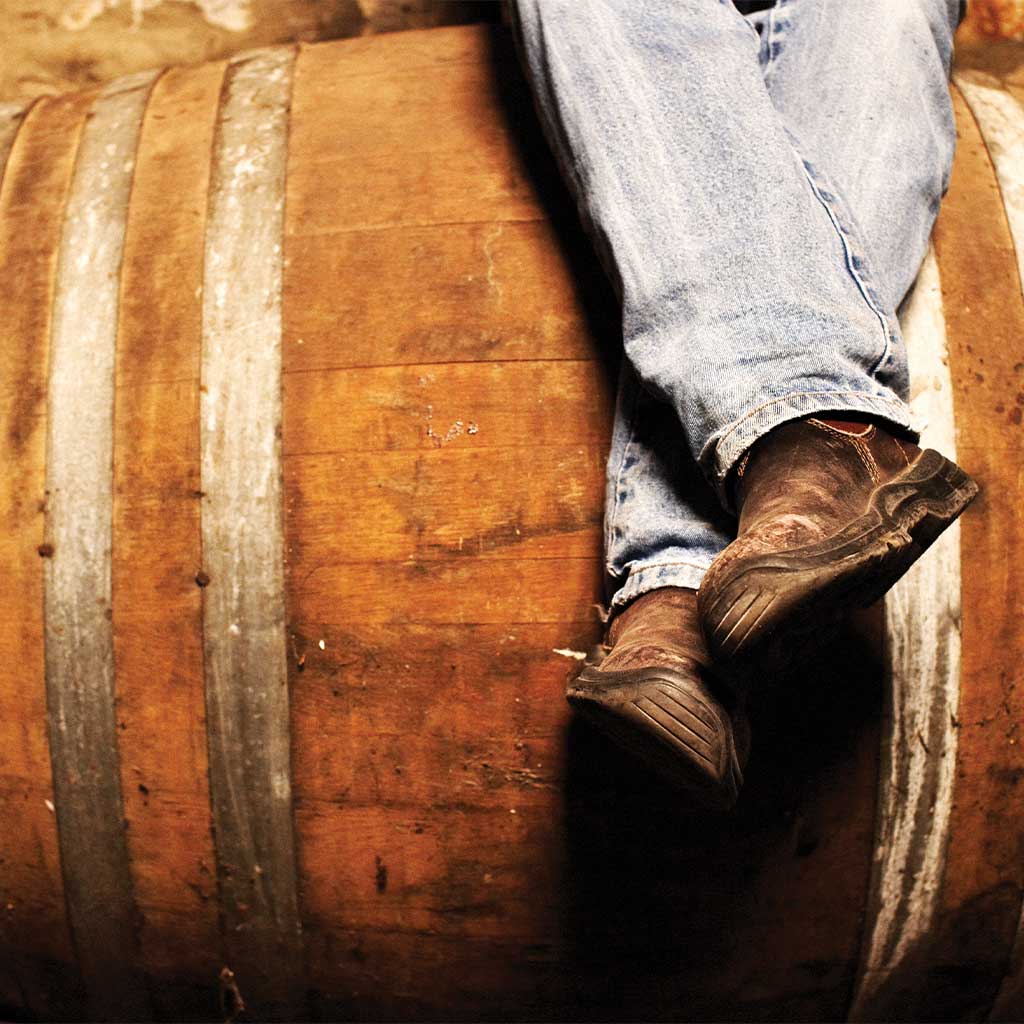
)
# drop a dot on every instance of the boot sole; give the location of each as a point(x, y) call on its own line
point(654, 714)
point(769, 608)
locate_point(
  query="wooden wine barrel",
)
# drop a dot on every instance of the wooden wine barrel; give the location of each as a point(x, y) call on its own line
point(305, 392)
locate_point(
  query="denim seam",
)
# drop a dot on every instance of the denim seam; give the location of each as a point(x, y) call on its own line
point(609, 525)
point(773, 34)
point(864, 287)
point(766, 43)
point(746, 21)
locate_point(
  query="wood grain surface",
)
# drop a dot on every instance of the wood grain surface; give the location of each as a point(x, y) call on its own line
point(981, 898)
point(36, 180)
point(156, 549)
point(443, 530)
point(464, 849)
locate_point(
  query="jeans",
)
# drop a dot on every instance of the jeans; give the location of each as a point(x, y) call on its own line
point(761, 189)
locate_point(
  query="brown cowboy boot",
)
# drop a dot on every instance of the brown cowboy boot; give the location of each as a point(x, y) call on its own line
point(652, 694)
point(832, 514)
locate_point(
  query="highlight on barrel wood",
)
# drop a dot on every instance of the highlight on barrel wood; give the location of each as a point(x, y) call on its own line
point(156, 547)
point(302, 530)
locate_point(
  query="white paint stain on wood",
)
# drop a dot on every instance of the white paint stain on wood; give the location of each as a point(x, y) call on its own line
point(455, 430)
point(567, 652)
point(922, 622)
point(233, 15)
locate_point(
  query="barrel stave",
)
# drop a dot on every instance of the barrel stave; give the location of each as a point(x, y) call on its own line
point(156, 545)
point(464, 848)
point(35, 185)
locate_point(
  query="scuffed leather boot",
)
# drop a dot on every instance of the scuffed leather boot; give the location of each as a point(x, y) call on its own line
point(653, 695)
point(832, 514)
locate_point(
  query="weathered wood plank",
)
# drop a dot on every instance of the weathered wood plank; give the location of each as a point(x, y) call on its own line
point(449, 503)
point(34, 190)
point(487, 694)
point(156, 551)
point(242, 535)
point(1000, 117)
point(445, 591)
point(461, 405)
point(426, 143)
point(981, 898)
point(487, 290)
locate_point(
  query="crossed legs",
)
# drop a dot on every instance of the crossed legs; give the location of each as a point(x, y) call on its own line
point(761, 190)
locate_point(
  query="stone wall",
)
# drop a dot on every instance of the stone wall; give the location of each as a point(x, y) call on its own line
point(51, 46)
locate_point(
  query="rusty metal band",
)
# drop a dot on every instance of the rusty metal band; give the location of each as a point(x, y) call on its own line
point(245, 652)
point(922, 627)
point(11, 116)
point(77, 580)
point(1000, 119)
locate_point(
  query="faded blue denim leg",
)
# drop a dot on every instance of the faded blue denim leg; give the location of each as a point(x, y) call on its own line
point(762, 201)
point(863, 87)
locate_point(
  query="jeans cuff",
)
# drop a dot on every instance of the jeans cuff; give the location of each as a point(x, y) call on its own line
point(723, 451)
point(658, 574)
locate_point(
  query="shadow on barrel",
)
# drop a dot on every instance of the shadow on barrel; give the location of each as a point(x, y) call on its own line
point(754, 915)
point(671, 914)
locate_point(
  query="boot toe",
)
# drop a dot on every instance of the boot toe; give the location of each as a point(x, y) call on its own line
point(762, 606)
point(669, 721)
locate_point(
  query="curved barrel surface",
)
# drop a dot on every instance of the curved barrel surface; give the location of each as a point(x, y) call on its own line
point(306, 383)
